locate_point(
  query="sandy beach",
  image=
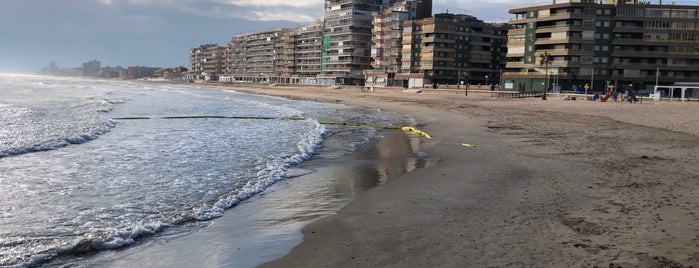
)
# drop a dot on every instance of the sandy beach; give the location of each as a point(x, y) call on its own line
point(548, 184)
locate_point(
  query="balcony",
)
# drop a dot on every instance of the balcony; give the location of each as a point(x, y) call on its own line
point(554, 28)
point(515, 65)
point(628, 29)
point(551, 41)
point(627, 41)
point(518, 31)
point(557, 16)
point(641, 54)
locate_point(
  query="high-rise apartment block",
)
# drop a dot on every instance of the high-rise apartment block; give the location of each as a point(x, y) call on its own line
point(387, 39)
point(623, 43)
point(308, 53)
point(207, 62)
point(449, 48)
point(290, 56)
point(261, 56)
point(347, 38)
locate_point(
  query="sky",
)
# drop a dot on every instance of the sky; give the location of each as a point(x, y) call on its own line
point(159, 33)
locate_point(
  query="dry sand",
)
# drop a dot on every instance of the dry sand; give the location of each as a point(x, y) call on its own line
point(549, 184)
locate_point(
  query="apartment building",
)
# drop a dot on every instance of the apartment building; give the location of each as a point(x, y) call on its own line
point(308, 53)
point(259, 55)
point(450, 49)
point(284, 56)
point(236, 64)
point(387, 39)
point(207, 62)
point(347, 39)
point(626, 44)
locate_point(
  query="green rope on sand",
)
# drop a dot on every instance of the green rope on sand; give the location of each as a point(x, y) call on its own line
point(406, 129)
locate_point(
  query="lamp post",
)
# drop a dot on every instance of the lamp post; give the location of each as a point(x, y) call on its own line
point(545, 60)
point(486, 81)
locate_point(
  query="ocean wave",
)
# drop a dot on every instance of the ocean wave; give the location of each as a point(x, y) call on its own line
point(29, 130)
point(270, 171)
point(56, 143)
point(90, 245)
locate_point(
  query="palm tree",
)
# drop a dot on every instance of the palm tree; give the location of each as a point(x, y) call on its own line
point(545, 60)
point(462, 74)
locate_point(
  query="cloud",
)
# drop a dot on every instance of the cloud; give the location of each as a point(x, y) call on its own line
point(254, 10)
point(279, 3)
point(281, 15)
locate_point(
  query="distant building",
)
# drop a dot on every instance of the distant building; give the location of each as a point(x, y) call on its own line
point(51, 69)
point(624, 44)
point(91, 68)
point(137, 72)
point(449, 48)
point(174, 73)
point(110, 72)
point(207, 62)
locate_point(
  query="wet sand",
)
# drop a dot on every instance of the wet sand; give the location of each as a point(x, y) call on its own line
point(550, 183)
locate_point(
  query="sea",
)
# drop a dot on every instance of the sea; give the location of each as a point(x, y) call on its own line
point(90, 166)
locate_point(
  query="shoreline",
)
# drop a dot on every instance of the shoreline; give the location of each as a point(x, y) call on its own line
point(245, 237)
point(550, 183)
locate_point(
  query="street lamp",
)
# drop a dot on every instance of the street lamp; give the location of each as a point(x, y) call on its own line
point(486, 80)
point(545, 60)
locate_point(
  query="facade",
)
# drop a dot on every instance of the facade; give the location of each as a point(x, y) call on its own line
point(617, 44)
point(284, 56)
point(450, 49)
point(347, 39)
point(207, 62)
point(308, 53)
point(387, 39)
point(261, 56)
point(236, 65)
